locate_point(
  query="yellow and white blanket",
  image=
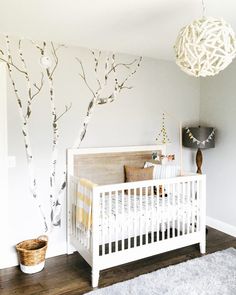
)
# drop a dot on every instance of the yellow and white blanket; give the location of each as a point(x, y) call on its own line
point(84, 207)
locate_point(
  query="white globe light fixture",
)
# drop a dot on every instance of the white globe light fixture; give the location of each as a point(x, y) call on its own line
point(205, 47)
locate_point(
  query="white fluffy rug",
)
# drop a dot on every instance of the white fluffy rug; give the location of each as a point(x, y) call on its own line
point(213, 274)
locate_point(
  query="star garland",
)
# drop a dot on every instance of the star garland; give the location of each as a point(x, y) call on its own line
point(165, 139)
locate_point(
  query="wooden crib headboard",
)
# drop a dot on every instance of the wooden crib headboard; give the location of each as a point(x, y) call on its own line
point(106, 165)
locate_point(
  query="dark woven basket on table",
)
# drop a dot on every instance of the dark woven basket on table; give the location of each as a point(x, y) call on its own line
point(32, 252)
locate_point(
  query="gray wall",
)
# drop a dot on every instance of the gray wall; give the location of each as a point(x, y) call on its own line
point(218, 109)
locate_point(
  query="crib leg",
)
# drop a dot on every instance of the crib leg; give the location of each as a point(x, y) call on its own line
point(203, 247)
point(95, 277)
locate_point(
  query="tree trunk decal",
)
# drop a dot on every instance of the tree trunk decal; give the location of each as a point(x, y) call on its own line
point(50, 68)
point(25, 116)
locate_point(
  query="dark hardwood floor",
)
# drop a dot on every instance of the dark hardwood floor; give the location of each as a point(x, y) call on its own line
point(70, 275)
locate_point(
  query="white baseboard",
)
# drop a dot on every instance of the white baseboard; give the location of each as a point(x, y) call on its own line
point(9, 260)
point(221, 226)
point(60, 249)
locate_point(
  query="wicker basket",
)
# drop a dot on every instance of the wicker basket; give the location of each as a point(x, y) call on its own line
point(32, 254)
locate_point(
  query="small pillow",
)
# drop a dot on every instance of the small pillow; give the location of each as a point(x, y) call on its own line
point(163, 171)
point(138, 174)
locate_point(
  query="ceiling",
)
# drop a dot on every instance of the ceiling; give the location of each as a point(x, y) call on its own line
point(140, 27)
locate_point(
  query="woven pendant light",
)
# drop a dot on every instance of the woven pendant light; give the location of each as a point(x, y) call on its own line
point(205, 47)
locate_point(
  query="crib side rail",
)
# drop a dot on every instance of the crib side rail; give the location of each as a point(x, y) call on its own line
point(138, 184)
point(134, 215)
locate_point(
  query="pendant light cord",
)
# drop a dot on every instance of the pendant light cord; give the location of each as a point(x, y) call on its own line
point(203, 9)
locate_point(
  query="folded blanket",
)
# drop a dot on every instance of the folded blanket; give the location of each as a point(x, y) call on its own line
point(84, 205)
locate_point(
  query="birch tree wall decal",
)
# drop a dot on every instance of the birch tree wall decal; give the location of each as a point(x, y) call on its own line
point(50, 64)
point(49, 61)
point(108, 81)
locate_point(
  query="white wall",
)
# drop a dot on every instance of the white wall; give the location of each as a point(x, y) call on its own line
point(218, 109)
point(134, 119)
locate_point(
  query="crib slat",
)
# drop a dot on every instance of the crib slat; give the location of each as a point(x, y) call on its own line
point(75, 200)
point(168, 210)
point(140, 217)
point(178, 210)
point(157, 213)
point(188, 207)
point(163, 213)
point(73, 207)
point(122, 219)
point(136, 219)
point(110, 222)
point(124, 222)
point(181, 208)
point(193, 206)
point(116, 221)
point(75, 227)
point(198, 206)
point(146, 219)
point(103, 223)
point(183, 211)
point(173, 209)
point(129, 218)
point(152, 213)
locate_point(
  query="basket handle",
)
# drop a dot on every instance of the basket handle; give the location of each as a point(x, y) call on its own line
point(43, 238)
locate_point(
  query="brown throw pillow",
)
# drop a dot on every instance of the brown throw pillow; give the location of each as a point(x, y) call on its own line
point(138, 174)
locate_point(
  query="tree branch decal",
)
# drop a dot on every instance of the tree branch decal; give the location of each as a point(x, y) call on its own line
point(110, 69)
point(110, 80)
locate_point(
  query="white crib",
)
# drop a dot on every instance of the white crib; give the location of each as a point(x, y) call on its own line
point(131, 221)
